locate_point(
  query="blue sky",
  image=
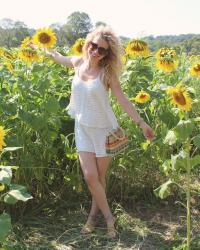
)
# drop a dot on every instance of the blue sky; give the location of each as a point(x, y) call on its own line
point(132, 18)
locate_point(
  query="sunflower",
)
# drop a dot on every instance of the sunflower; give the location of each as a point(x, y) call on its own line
point(141, 97)
point(4, 53)
point(45, 38)
point(180, 97)
point(25, 42)
point(2, 135)
point(28, 55)
point(166, 65)
point(166, 59)
point(195, 70)
point(78, 46)
point(137, 48)
point(166, 54)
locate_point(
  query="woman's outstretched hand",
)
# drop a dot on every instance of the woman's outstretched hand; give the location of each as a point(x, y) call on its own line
point(147, 131)
point(32, 45)
point(47, 52)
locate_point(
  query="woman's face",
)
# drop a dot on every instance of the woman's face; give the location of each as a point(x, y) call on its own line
point(97, 49)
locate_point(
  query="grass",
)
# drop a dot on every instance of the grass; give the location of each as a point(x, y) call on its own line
point(142, 227)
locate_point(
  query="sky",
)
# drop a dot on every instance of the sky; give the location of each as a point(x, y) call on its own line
point(131, 18)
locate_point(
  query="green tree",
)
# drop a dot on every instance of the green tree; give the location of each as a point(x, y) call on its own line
point(99, 23)
point(78, 25)
point(12, 33)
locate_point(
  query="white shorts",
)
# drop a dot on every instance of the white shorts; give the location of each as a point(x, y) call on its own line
point(89, 139)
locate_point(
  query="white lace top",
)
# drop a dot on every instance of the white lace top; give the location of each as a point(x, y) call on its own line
point(89, 103)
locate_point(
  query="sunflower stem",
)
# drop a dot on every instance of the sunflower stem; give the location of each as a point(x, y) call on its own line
point(188, 193)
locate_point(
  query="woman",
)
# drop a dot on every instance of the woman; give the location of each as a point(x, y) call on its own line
point(96, 72)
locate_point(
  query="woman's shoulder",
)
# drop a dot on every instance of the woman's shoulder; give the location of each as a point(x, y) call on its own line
point(76, 61)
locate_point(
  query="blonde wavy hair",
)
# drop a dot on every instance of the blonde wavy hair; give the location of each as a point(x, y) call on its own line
point(112, 62)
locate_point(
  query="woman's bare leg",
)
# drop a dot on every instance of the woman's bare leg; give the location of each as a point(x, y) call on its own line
point(90, 171)
point(102, 167)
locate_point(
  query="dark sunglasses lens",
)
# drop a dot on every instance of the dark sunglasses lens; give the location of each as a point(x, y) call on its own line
point(94, 46)
point(102, 51)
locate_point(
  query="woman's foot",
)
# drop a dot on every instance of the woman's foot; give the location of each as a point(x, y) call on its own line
point(89, 225)
point(111, 231)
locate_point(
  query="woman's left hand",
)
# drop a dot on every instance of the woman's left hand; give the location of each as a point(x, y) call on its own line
point(147, 131)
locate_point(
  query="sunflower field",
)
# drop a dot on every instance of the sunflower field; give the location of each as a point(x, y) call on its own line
point(37, 151)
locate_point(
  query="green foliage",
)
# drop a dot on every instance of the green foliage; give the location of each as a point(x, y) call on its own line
point(16, 193)
point(164, 190)
point(5, 226)
point(184, 129)
point(5, 175)
point(10, 194)
point(195, 160)
point(196, 141)
point(170, 137)
point(35, 113)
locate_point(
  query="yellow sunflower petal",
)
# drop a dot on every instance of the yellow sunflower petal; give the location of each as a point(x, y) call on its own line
point(76, 49)
point(1, 51)
point(166, 65)
point(2, 187)
point(25, 42)
point(9, 66)
point(195, 70)
point(6, 54)
point(2, 136)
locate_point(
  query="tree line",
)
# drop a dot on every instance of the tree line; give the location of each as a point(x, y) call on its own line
point(78, 24)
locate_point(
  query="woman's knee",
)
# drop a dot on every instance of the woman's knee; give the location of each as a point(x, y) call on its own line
point(91, 178)
point(89, 167)
point(102, 180)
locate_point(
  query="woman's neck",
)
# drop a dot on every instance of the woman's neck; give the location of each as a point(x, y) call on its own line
point(90, 66)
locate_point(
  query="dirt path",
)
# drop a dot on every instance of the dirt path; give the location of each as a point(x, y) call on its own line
point(145, 227)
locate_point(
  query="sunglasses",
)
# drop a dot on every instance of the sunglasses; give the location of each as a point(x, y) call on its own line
point(101, 50)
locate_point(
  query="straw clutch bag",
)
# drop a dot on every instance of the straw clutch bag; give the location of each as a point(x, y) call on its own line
point(116, 141)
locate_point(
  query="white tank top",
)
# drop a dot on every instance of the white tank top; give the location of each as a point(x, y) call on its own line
point(89, 103)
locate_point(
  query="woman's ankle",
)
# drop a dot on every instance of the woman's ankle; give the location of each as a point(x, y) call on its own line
point(92, 217)
point(110, 219)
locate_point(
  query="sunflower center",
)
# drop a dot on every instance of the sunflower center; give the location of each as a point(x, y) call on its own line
point(163, 54)
point(44, 38)
point(179, 97)
point(137, 47)
point(79, 48)
point(167, 62)
point(197, 67)
point(142, 96)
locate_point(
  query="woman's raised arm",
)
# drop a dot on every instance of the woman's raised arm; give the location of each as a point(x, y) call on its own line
point(69, 61)
point(129, 108)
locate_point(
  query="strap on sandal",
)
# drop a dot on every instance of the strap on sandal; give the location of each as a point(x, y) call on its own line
point(87, 228)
